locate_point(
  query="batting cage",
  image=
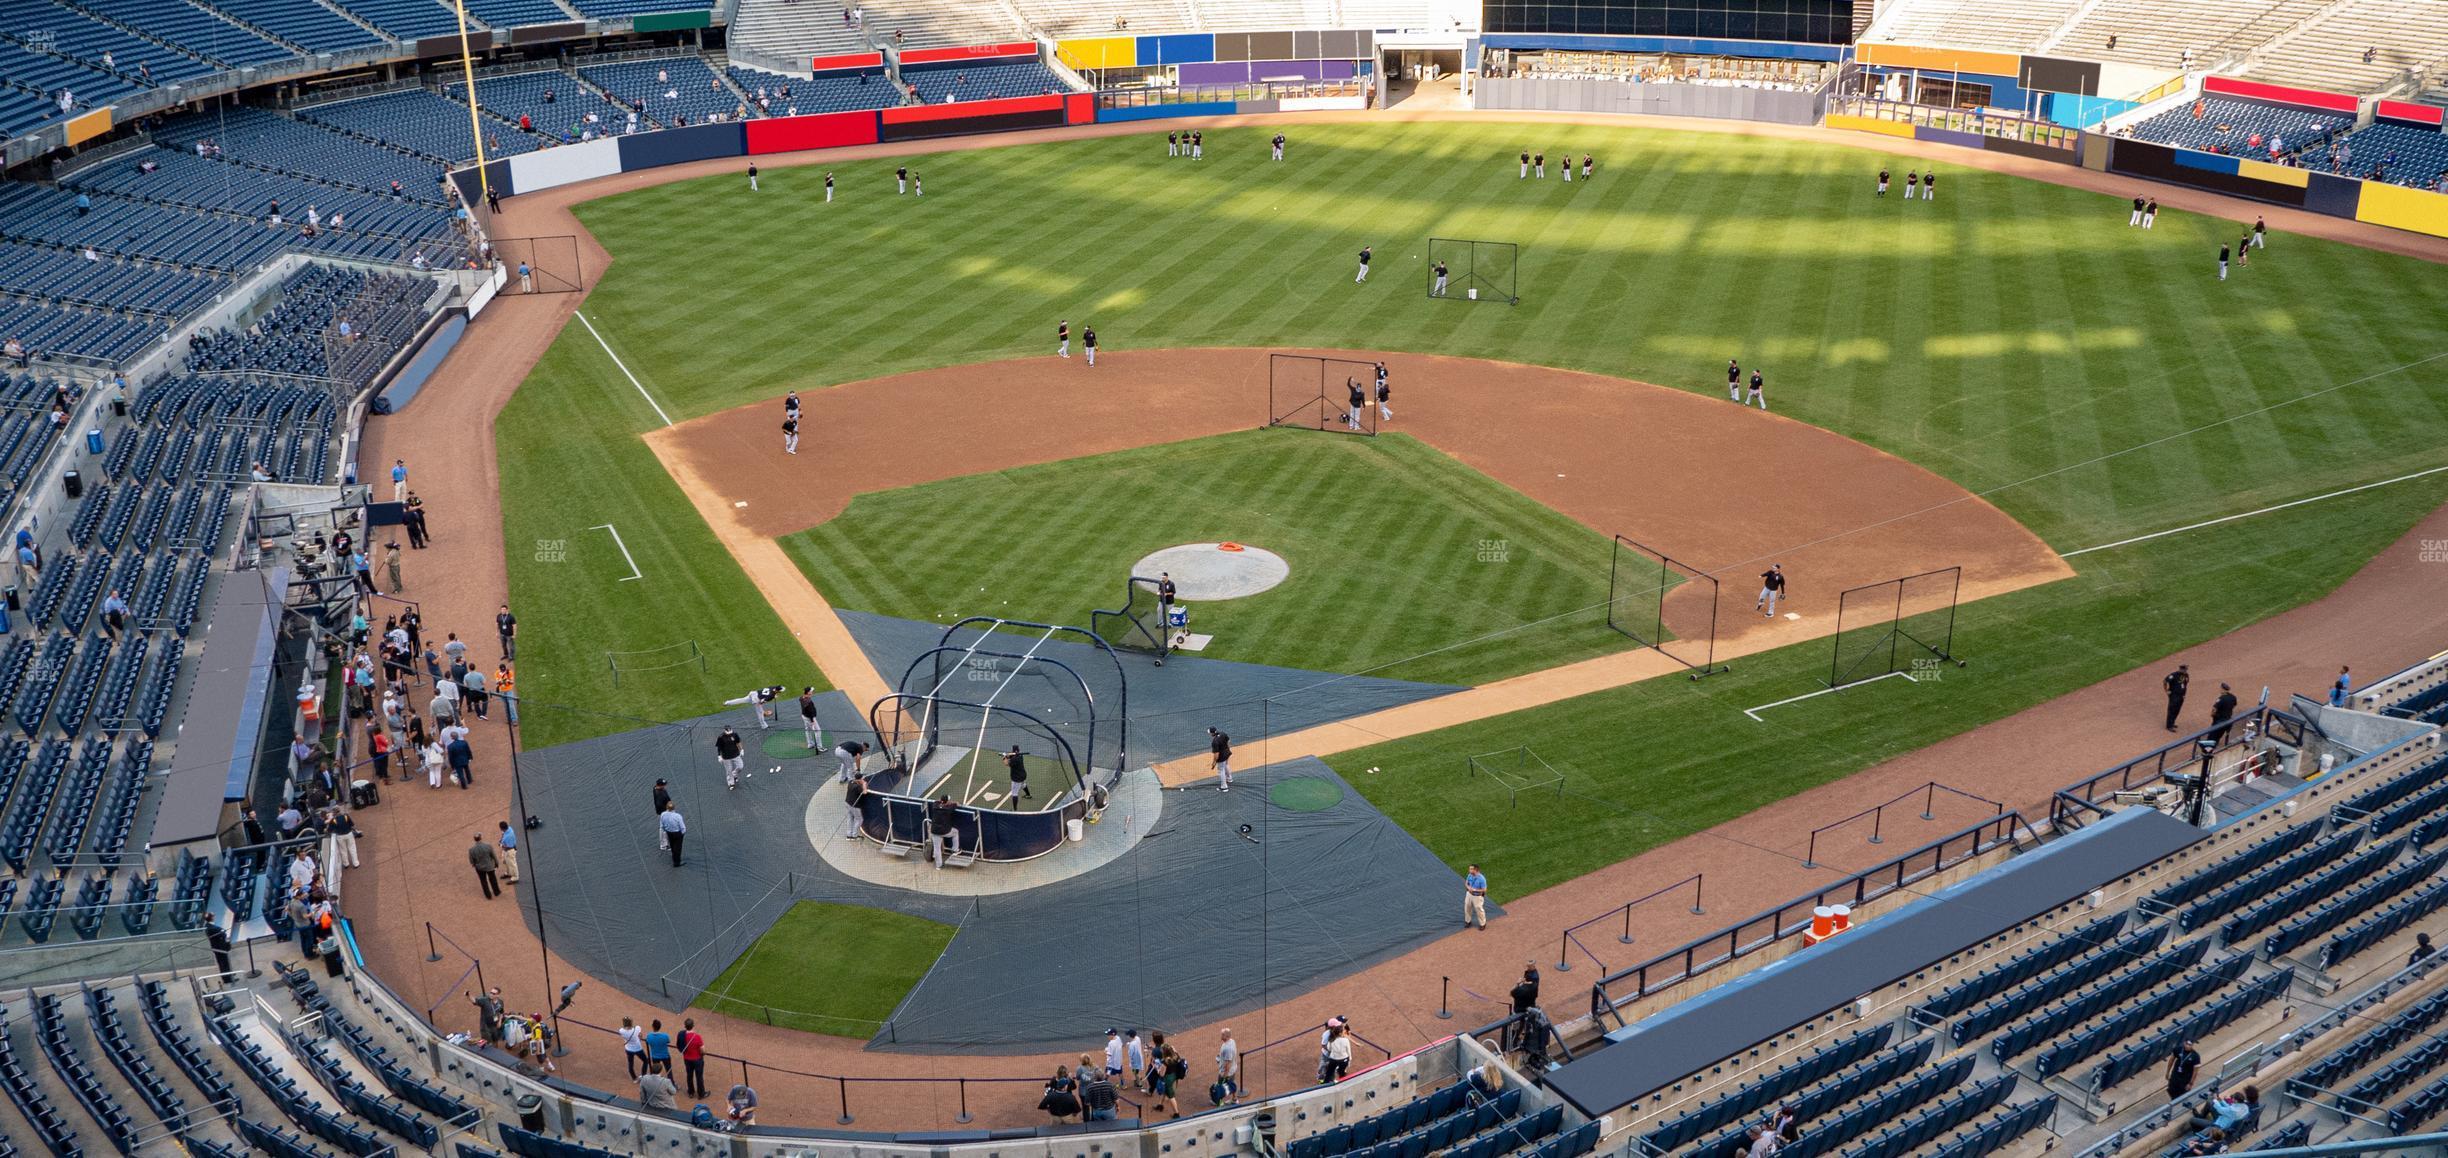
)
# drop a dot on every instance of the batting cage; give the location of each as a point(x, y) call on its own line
point(1898, 626)
point(1137, 625)
point(1664, 604)
point(990, 687)
point(1475, 271)
point(1309, 392)
point(552, 263)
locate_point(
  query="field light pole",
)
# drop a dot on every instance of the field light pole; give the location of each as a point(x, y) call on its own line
point(467, 67)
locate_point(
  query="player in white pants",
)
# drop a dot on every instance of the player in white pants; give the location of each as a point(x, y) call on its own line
point(762, 700)
point(1364, 262)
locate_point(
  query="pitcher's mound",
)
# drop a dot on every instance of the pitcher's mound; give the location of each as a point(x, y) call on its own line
point(1208, 571)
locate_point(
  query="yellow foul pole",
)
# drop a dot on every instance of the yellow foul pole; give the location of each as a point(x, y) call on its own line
point(467, 65)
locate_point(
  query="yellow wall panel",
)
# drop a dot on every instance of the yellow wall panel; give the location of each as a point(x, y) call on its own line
point(2401, 208)
point(89, 126)
point(1099, 52)
point(1939, 59)
point(1868, 125)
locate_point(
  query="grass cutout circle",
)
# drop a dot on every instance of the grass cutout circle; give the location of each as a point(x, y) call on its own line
point(1305, 794)
point(781, 745)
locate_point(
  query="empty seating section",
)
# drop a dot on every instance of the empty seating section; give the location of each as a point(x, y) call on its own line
point(524, 94)
point(673, 89)
point(2280, 904)
point(2399, 155)
point(261, 139)
point(2132, 1059)
point(2335, 911)
point(403, 19)
point(1999, 1132)
point(309, 26)
point(611, 9)
point(135, 1067)
point(2231, 126)
point(984, 82)
point(2268, 879)
point(512, 13)
point(301, 335)
point(2412, 1025)
point(194, 29)
point(2087, 985)
point(1458, 1120)
point(2396, 918)
point(75, 332)
point(51, 1031)
point(1949, 1113)
point(260, 1067)
point(50, 1128)
point(1231, 14)
point(797, 30)
point(2123, 1023)
point(115, 227)
point(2203, 881)
point(397, 1077)
point(379, 228)
point(63, 278)
point(417, 119)
point(1995, 27)
point(2156, 33)
point(1061, 18)
point(74, 34)
point(2328, 54)
point(1760, 1092)
point(785, 96)
point(935, 23)
point(1853, 1087)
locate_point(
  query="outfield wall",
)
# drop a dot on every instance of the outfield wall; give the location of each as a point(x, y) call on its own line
point(2395, 206)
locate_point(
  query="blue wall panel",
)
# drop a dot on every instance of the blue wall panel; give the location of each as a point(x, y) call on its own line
point(1158, 112)
point(2335, 196)
point(1182, 48)
point(2208, 162)
point(677, 146)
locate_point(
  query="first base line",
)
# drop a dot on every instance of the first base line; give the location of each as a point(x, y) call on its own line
point(1754, 713)
point(634, 573)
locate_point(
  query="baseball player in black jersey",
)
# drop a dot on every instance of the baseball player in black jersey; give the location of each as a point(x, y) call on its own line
point(1733, 380)
point(1062, 338)
point(1538, 165)
point(1198, 146)
point(1882, 184)
point(828, 187)
point(2260, 233)
point(1165, 591)
point(1929, 185)
point(1219, 750)
point(2136, 219)
point(2222, 263)
point(1359, 398)
point(1587, 163)
point(1772, 587)
point(1365, 250)
point(1758, 397)
point(901, 179)
point(917, 185)
point(1088, 342)
point(1015, 768)
point(790, 434)
point(790, 405)
point(1525, 170)
point(1385, 396)
point(2150, 213)
point(1172, 144)
point(1439, 291)
point(1279, 144)
point(1912, 184)
point(762, 700)
point(1567, 159)
point(752, 185)
point(2244, 249)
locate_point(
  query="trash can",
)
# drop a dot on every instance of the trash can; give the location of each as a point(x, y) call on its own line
point(93, 441)
point(1076, 829)
point(75, 483)
point(13, 604)
point(119, 407)
point(364, 794)
point(531, 1113)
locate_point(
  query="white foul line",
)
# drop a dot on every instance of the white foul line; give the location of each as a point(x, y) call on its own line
point(634, 573)
point(2250, 514)
point(1754, 712)
point(624, 369)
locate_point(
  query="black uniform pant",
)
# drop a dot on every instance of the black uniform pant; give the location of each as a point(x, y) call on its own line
point(2175, 705)
point(490, 883)
point(675, 838)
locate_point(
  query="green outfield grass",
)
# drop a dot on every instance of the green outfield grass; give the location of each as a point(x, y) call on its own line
point(2016, 337)
point(827, 968)
point(1655, 761)
point(1385, 538)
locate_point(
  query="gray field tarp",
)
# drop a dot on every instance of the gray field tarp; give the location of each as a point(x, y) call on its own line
point(1196, 922)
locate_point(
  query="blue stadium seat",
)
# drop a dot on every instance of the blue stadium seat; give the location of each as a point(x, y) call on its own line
point(668, 90)
point(775, 95)
point(979, 82)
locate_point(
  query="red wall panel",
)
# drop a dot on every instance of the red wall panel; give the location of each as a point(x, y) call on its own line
point(848, 60)
point(2405, 111)
point(968, 52)
point(2311, 98)
point(821, 131)
point(909, 114)
point(1079, 108)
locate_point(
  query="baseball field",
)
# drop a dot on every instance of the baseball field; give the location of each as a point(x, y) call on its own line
point(2091, 382)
